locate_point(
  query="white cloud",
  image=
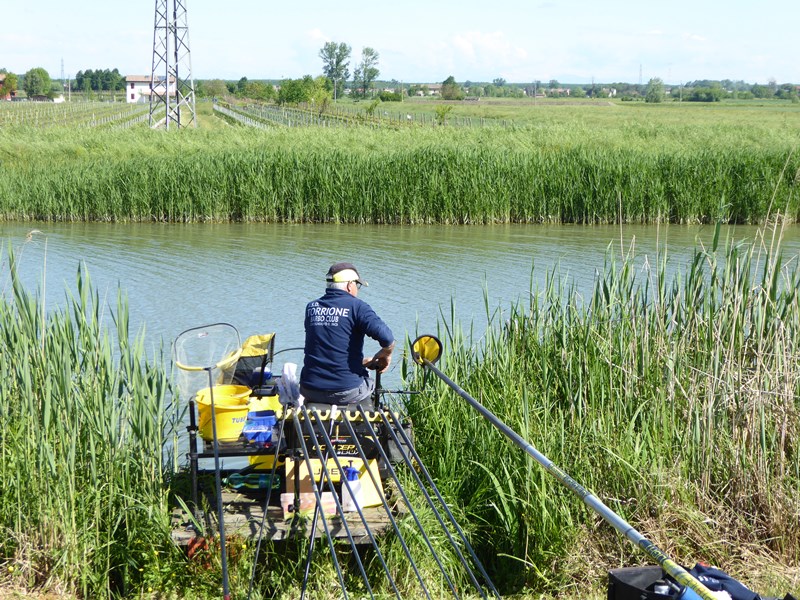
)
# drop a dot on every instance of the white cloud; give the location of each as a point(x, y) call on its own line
point(484, 52)
point(316, 35)
point(694, 37)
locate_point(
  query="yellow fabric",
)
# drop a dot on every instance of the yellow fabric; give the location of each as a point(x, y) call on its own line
point(259, 345)
point(345, 275)
point(426, 347)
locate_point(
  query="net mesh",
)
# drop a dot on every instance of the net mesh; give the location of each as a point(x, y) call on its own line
point(206, 356)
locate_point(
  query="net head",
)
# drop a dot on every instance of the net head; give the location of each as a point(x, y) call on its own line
point(426, 347)
point(206, 354)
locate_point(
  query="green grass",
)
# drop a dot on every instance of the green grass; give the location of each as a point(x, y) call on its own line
point(675, 401)
point(83, 423)
point(565, 164)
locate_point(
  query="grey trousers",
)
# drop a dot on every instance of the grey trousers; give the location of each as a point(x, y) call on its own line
point(362, 395)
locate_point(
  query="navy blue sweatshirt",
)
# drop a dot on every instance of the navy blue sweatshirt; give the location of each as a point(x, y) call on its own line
point(336, 325)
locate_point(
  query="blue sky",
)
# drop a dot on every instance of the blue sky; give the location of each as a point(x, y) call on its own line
point(572, 41)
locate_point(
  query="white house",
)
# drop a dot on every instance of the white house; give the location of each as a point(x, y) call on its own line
point(137, 88)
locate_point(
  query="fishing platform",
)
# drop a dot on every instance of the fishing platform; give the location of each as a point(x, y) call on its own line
point(312, 471)
point(369, 449)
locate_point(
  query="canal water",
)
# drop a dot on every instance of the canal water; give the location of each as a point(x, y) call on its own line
point(258, 277)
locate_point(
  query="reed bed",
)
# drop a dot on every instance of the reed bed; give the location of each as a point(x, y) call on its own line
point(676, 401)
point(551, 172)
point(83, 424)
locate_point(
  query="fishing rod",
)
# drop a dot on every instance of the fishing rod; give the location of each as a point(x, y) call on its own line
point(321, 513)
point(317, 506)
point(325, 476)
point(427, 497)
point(347, 489)
point(426, 350)
point(387, 509)
point(406, 500)
point(273, 472)
point(410, 453)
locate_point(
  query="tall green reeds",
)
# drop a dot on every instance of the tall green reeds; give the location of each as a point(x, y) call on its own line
point(676, 401)
point(533, 174)
point(83, 422)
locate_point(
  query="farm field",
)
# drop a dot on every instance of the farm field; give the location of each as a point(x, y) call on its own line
point(507, 163)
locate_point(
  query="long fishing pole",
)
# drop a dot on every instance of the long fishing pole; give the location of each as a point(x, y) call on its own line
point(325, 476)
point(317, 507)
point(267, 499)
point(321, 513)
point(223, 553)
point(413, 471)
point(411, 453)
point(387, 509)
point(346, 488)
point(401, 491)
point(425, 350)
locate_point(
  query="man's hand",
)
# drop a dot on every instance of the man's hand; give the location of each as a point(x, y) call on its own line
point(382, 359)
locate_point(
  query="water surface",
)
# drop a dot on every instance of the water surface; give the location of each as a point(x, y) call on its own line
point(259, 277)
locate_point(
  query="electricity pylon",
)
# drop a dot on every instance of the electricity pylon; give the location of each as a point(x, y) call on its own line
point(171, 83)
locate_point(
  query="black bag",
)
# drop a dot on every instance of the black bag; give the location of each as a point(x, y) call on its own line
point(635, 583)
point(638, 583)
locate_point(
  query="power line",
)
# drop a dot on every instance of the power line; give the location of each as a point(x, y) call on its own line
point(171, 83)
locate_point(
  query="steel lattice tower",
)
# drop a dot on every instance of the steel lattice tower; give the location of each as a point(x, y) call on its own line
point(171, 83)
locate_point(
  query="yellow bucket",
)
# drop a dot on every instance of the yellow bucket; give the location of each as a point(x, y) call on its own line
point(231, 403)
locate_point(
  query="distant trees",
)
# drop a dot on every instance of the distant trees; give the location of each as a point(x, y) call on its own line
point(9, 84)
point(336, 65)
point(99, 80)
point(37, 83)
point(307, 89)
point(787, 91)
point(396, 96)
point(655, 91)
point(760, 91)
point(578, 92)
point(706, 94)
point(213, 88)
point(366, 72)
point(258, 90)
point(451, 90)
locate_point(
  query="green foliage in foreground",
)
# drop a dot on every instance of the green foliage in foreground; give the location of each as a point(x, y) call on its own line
point(677, 402)
point(82, 430)
point(552, 171)
point(86, 465)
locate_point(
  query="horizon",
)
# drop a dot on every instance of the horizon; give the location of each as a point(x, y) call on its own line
point(572, 41)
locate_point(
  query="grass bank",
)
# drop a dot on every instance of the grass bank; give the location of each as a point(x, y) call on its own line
point(564, 167)
point(83, 423)
point(676, 401)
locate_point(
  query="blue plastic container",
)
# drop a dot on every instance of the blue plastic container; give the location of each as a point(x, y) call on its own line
point(259, 426)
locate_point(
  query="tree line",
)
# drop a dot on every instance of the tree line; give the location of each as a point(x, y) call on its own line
point(715, 91)
point(37, 82)
point(338, 80)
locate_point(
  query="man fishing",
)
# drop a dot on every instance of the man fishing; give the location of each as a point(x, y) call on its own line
point(334, 367)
